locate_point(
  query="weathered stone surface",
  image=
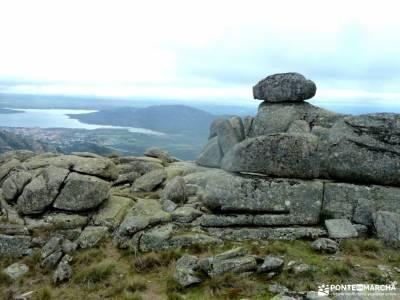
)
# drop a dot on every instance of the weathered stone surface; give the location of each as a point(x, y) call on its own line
point(51, 260)
point(282, 87)
point(234, 265)
point(16, 270)
point(127, 178)
point(277, 117)
point(271, 263)
point(325, 245)
point(227, 136)
point(13, 229)
point(168, 205)
point(41, 191)
point(65, 221)
point(298, 199)
point(238, 126)
point(342, 199)
point(113, 212)
point(7, 167)
point(281, 155)
point(340, 229)
point(185, 214)
point(251, 233)
point(64, 270)
point(166, 237)
point(247, 125)
point(387, 225)
point(54, 244)
point(212, 220)
point(82, 192)
point(182, 168)
point(146, 212)
point(142, 165)
point(14, 246)
point(91, 236)
point(299, 127)
point(185, 271)
point(98, 166)
point(175, 190)
point(211, 155)
point(14, 184)
point(214, 127)
point(365, 149)
point(149, 181)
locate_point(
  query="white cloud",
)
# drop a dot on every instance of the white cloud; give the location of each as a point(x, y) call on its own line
point(198, 49)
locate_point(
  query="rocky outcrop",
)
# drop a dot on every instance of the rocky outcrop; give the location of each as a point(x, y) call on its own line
point(299, 140)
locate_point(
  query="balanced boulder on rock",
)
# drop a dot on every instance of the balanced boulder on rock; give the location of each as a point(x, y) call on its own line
point(285, 87)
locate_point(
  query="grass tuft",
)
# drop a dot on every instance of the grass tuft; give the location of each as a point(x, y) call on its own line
point(150, 261)
point(94, 274)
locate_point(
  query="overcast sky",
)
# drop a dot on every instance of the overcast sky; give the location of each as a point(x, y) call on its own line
point(202, 50)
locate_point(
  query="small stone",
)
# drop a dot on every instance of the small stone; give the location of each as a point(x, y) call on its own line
point(185, 214)
point(185, 271)
point(16, 270)
point(91, 236)
point(340, 229)
point(51, 260)
point(271, 263)
point(53, 245)
point(325, 245)
point(168, 205)
point(149, 181)
point(64, 270)
point(277, 288)
point(301, 268)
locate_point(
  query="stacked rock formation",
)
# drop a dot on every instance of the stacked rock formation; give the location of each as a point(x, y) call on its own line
point(309, 162)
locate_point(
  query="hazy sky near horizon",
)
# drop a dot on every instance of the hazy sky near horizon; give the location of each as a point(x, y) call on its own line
point(199, 50)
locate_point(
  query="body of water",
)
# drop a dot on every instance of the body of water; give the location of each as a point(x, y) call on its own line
point(56, 118)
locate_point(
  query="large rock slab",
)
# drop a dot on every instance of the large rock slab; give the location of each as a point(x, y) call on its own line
point(288, 87)
point(280, 233)
point(281, 155)
point(387, 225)
point(211, 155)
point(82, 192)
point(228, 136)
point(297, 199)
point(365, 149)
point(97, 166)
point(42, 190)
point(149, 181)
point(359, 202)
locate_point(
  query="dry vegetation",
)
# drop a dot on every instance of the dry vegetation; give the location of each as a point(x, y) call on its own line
point(108, 273)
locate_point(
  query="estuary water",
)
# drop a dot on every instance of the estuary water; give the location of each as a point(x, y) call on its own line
point(56, 118)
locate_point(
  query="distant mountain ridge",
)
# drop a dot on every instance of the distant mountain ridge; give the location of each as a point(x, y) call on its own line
point(170, 119)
